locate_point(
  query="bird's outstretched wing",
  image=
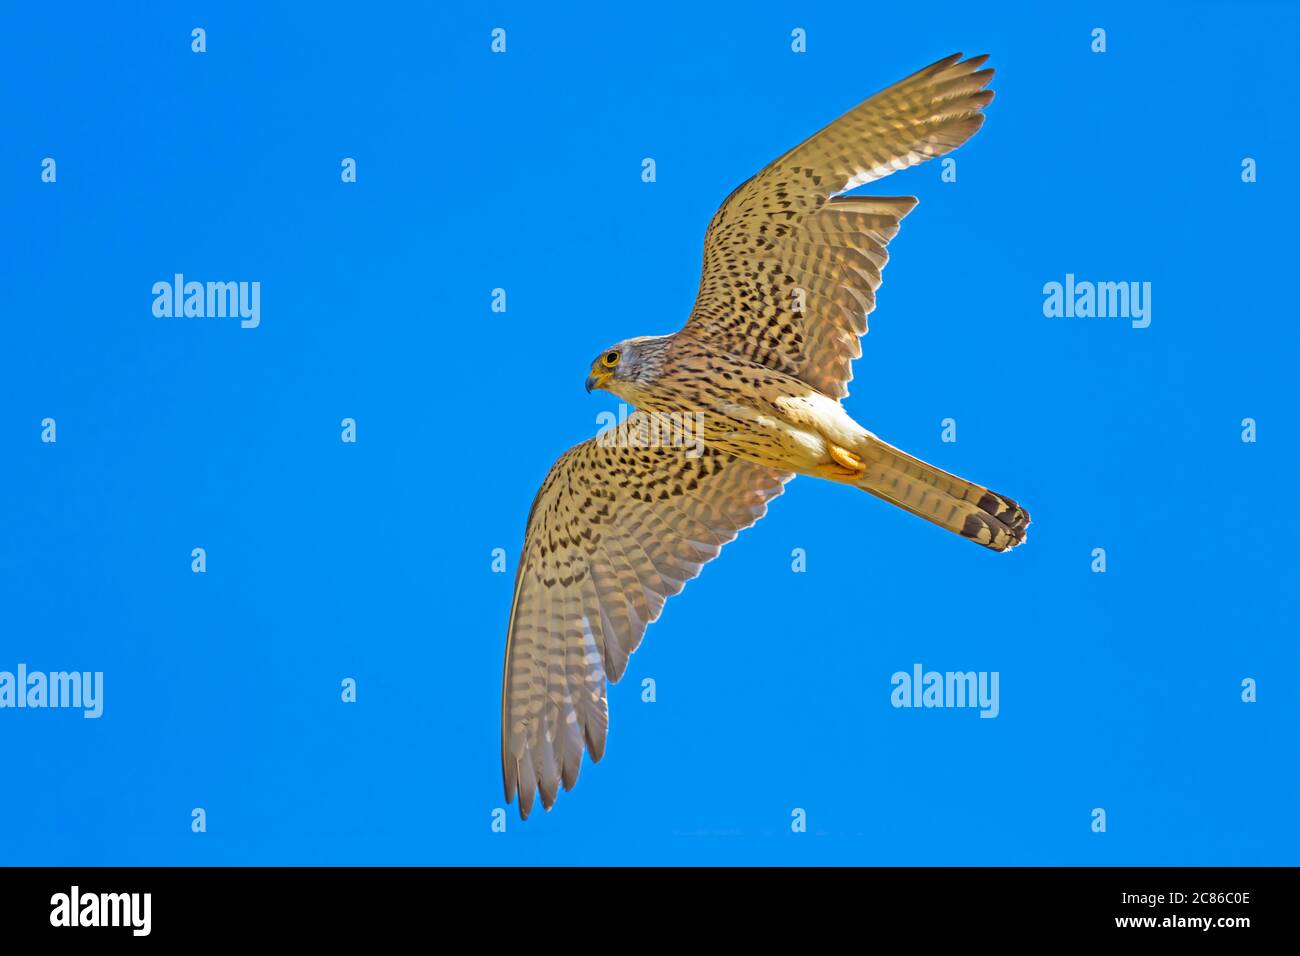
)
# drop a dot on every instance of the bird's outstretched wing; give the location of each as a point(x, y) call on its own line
point(791, 273)
point(618, 527)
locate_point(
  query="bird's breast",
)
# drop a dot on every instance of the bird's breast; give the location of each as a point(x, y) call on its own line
point(750, 411)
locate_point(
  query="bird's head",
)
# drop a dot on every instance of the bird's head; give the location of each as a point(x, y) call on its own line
point(627, 368)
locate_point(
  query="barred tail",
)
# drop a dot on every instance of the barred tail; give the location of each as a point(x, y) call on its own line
point(970, 510)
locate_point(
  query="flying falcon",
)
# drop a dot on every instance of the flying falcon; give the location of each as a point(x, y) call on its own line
point(623, 520)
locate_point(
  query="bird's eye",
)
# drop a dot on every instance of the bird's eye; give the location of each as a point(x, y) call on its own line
point(610, 358)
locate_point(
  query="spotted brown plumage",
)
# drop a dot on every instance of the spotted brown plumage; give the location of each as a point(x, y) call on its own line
point(748, 390)
point(787, 228)
point(617, 528)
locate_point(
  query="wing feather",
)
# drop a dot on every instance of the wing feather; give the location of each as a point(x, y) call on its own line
point(791, 268)
point(616, 530)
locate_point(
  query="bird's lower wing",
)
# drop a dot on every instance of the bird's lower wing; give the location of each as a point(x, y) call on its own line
point(621, 522)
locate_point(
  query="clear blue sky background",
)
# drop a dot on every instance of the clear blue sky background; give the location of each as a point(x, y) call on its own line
point(373, 561)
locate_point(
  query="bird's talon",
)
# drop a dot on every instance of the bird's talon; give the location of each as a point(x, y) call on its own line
point(850, 462)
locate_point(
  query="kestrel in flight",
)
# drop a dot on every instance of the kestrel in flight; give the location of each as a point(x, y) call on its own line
point(755, 377)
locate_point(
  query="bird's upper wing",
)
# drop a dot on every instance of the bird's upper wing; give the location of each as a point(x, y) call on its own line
point(618, 527)
point(790, 273)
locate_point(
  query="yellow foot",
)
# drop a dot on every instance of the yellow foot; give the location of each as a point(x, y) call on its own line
point(850, 462)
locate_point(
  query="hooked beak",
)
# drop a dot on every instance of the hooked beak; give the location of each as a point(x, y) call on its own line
point(597, 379)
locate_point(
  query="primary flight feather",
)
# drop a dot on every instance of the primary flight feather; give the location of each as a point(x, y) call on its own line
point(756, 375)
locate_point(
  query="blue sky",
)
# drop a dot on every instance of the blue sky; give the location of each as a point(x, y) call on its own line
point(1119, 690)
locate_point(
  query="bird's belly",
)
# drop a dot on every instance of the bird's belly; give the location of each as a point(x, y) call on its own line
point(764, 438)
